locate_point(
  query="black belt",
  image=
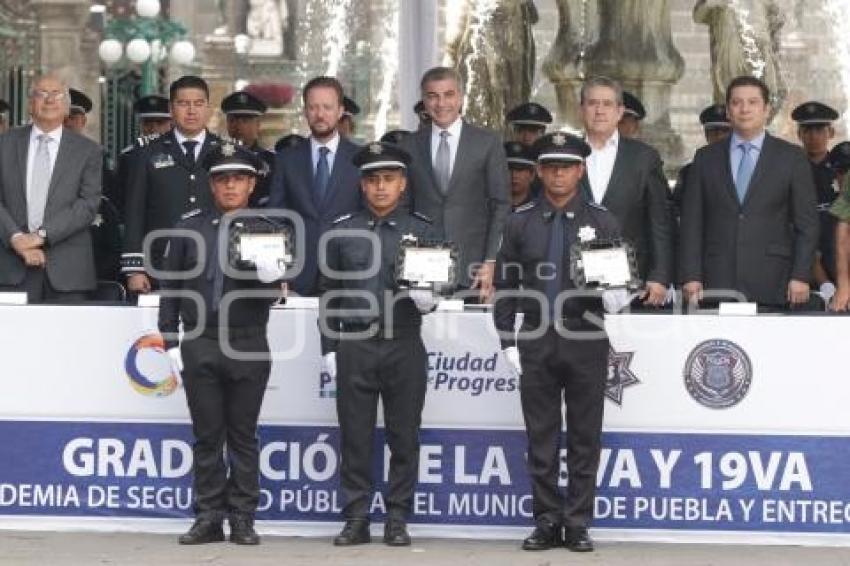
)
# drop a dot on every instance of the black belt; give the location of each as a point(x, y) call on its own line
point(375, 331)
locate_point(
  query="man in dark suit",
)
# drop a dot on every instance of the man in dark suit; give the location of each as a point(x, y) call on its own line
point(167, 180)
point(459, 178)
point(626, 177)
point(50, 184)
point(749, 220)
point(316, 177)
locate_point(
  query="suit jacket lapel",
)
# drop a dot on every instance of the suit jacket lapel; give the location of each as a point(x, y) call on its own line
point(620, 163)
point(729, 179)
point(423, 143)
point(305, 170)
point(22, 149)
point(461, 157)
point(342, 155)
point(64, 159)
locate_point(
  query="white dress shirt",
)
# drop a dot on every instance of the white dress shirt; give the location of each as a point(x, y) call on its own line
point(199, 138)
point(600, 165)
point(332, 145)
point(52, 149)
point(453, 140)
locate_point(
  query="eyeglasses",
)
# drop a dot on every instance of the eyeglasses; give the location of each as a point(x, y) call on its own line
point(44, 95)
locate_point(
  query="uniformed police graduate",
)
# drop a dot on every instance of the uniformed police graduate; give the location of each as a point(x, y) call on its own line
point(521, 163)
point(375, 352)
point(569, 361)
point(224, 392)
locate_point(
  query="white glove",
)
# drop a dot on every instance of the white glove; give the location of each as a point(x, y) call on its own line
point(827, 290)
point(176, 359)
point(329, 364)
point(615, 299)
point(424, 299)
point(269, 270)
point(512, 355)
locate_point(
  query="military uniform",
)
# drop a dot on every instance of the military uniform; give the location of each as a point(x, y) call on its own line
point(224, 393)
point(163, 184)
point(388, 358)
point(556, 367)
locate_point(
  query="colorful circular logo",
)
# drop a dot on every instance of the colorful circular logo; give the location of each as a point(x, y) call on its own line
point(718, 373)
point(148, 367)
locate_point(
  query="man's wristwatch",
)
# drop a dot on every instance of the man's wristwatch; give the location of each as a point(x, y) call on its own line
point(42, 233)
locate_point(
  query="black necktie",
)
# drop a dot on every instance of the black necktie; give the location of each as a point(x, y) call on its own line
point(190, 151)
point(555, 258)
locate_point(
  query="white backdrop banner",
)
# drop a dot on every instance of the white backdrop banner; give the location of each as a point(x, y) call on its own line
point(714, 428)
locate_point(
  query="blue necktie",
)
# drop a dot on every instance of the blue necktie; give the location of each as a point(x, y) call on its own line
point(555, 258)
point(323, 174)
point(745, 170)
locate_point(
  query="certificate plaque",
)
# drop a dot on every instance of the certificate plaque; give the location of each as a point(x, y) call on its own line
point(421, 265)
point(604, 264)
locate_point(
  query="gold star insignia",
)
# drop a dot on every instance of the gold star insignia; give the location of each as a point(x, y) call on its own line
point(559, 139)
point(376, 149)
point(228, 149)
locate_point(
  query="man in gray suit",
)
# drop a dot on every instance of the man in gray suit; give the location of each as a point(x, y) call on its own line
point(459, 179)
point(625, 176)
point(50, 185)
point(749, 217)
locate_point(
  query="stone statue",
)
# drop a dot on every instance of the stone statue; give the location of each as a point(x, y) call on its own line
point(264, 24)
point(562, 65)
point(492, 47)
point(744, 37)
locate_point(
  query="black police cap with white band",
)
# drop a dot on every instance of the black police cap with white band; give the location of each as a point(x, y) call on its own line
point(519, 155)
point(529, 114)
point(242, 103)
point(714, 117)
point(561, 147)
point(152, 106)
point(231, 158)
point(380, 155)
point(814, 113)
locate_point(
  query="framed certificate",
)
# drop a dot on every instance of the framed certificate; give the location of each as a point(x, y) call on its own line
point(604, 264)
point(259, 245)
point(426, 266)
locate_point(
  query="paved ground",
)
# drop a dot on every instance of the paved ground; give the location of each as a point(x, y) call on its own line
point(19, 548)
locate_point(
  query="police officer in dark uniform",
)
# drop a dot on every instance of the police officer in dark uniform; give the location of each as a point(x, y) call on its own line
point(715, 127)
point(422, 115)
point(395, 136)
point(528, 122)
point(154, 119)
point(521, 163)
point(814, 128)
point(243, 111)
point(224, 392)
point(633, 115)
point(346, 125)
point(167, 180)
point(379, 353)
point(289, 140)
point(536, 244)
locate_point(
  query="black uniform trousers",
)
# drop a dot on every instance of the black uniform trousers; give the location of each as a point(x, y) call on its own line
point(396, 370)
point(224, 397)
point(556, 371)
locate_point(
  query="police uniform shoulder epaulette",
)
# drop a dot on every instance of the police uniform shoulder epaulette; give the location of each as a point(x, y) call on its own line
point(596, 205)
point(526, 206)
point(422, 217)
point(343, 218)
point(190, 214)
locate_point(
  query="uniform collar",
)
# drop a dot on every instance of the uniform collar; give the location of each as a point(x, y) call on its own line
point(392, 218)
point(571, 209)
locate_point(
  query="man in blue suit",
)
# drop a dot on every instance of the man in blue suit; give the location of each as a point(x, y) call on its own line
point(316, 177)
